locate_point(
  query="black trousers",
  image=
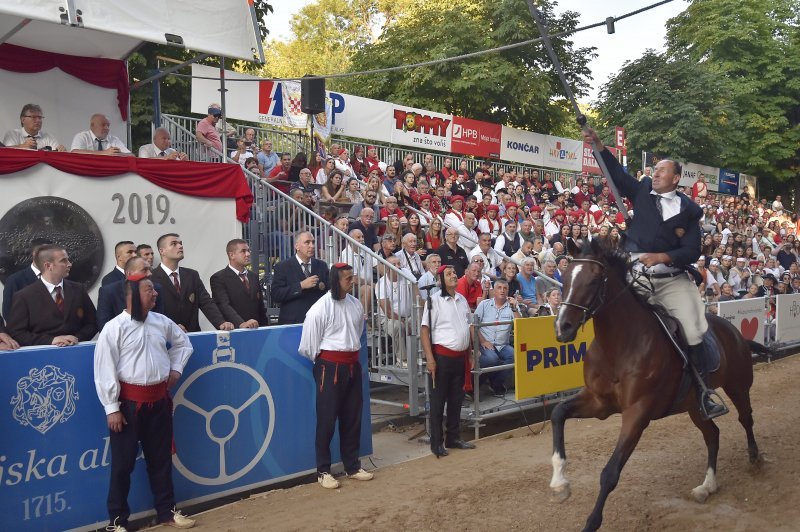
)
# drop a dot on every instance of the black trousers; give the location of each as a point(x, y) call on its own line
point(339, 396)
point(449, 389)
point(152, 426)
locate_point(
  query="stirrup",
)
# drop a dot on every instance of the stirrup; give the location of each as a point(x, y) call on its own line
point(720, 407)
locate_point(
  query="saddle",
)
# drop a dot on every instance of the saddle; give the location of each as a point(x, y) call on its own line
point(674, 330)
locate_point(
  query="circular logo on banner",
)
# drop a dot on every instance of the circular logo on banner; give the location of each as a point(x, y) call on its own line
point(56, 219)
point(227, 441)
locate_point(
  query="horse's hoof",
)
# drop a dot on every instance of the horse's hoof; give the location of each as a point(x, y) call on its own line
point(560, 494)
point(700, 494)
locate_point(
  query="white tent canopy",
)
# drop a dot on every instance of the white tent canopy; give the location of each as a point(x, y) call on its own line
point(114, 28)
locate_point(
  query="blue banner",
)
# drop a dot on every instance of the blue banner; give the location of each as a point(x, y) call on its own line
point(728, 182)
point(244, 417)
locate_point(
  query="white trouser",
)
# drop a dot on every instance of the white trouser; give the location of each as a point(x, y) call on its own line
point(680, 297)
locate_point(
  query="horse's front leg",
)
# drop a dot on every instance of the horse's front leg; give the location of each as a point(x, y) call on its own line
point(711, 436)
point(634, 420)
point(582, 405)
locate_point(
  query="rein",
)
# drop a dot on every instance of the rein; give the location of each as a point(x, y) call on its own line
point(599, 300)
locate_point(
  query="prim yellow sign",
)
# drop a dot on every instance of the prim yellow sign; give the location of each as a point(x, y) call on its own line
point(542, 364)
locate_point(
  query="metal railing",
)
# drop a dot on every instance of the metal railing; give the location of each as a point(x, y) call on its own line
point(395, 356)
point(389, 154)
point(282, 141)
point(476, 413)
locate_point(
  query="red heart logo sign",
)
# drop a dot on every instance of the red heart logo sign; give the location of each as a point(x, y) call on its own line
point(749, 328)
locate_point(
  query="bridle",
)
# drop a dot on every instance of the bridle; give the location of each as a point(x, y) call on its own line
point(599, 299)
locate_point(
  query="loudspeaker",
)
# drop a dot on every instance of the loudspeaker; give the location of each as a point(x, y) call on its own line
point(312, 95)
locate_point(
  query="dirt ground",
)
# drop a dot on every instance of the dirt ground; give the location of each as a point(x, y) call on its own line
point(504, 483)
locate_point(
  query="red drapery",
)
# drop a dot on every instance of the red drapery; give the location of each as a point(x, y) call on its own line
point(207, 180)
point(106, 73)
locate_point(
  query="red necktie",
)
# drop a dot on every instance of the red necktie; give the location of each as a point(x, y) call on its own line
point(176, 282)
point(245, 282)
point(59, 300)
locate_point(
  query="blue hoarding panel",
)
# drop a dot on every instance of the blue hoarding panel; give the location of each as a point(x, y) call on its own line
point(244, 417)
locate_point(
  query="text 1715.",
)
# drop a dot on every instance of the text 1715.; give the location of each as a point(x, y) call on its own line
point(44, 505)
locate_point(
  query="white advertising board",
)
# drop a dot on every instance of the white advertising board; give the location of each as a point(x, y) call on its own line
point(364, 118)
point(747, 315)
point(522, 146)
point(787, 321)
point(422, 129)
point(241, 99)
point(692, 171)
point(61, 206)
point(564, 154)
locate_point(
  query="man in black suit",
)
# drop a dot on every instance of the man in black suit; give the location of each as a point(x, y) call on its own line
point(6, 342)
point(236, 290)
point(111, 299)
point(53, 310)
point(298, 282)
point(183, 290)
point(123, 252)
point(22, 278)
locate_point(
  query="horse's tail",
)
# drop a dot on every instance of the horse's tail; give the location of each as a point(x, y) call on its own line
point(760, 349)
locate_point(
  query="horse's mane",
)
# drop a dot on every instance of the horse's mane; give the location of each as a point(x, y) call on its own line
point(619, 264)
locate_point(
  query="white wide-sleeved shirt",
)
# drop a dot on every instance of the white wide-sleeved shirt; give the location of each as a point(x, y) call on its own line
point(451, 317)
point(136, 353)
point(333, 325)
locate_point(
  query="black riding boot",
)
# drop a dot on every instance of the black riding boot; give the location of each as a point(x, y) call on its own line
point(709, 409)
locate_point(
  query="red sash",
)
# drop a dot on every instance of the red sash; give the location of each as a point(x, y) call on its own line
point(339, 357)
point(445, 352)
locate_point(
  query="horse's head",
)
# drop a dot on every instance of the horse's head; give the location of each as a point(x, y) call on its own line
point(584, 287)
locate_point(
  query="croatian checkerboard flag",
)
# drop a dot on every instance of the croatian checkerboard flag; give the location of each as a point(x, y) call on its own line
point(293, 116)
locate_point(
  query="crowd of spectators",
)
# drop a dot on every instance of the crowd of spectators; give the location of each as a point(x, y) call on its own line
point(495, 224)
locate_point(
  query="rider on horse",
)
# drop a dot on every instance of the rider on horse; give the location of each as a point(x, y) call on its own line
point(664, 237)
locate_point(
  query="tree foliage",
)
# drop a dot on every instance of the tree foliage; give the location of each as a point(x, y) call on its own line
point(756, 46)
point(175, 91)
point(325, 36)
point(514, 87)
point(726, 92)
point(643, 99)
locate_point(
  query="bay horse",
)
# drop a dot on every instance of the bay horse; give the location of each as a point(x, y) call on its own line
point(633, 368)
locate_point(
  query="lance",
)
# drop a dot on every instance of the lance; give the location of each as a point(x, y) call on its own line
point(579, 117)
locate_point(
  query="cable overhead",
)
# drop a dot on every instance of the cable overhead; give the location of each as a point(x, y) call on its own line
point(445, 59)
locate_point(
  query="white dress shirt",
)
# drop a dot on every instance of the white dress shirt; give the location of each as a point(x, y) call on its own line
point(451, 317)
point(410, 261)
point(51, 288)
point(333, 325)
point(136, 352)
point(670, 203)
point(86, 140)
point(16, 137)
point(398, 292)
point(150, 151)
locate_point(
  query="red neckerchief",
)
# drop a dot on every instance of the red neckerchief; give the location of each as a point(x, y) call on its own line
point(491, 224)
point(458, 215)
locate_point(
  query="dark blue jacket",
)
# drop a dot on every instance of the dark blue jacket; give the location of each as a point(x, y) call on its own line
point(14, 283)
point(678, 237)
point(111, 301)
point(112, 277)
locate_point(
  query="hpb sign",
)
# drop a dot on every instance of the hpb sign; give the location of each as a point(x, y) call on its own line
point(542, 365)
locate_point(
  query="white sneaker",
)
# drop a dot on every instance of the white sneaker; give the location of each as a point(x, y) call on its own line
point(327, 481)
point(116, 528)
point(361, 475)
point(179, 520)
